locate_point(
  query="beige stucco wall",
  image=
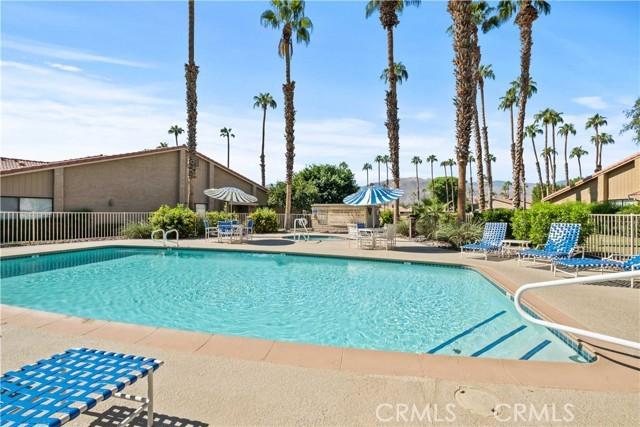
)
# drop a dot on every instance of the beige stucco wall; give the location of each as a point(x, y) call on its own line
point(36, 184)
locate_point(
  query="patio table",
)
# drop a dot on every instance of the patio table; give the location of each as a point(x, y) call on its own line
point(513, 246)
point(370, 232)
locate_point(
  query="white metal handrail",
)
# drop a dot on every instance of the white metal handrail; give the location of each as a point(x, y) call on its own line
point(165, 240)
point(173, 230)
point(628, 275)
point(302, 223)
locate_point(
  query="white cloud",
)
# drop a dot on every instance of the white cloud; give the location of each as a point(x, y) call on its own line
point(423, 116)
point(65, 67)
point(593, 102)
point(65, 53)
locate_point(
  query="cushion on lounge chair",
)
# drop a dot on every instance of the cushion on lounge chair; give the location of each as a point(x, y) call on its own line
point(588, 262)
point(481, 246)
point(492, 237)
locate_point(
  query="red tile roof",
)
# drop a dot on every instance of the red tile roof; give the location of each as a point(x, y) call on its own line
point(8, 163)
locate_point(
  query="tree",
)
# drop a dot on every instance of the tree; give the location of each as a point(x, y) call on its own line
point(439, 188)
point(386, 160)
point(506, 186)
point(416, 160)
point(379, 159)
point(577, 153)
point(175, 130)
point(547, 153)
point(226, 133)
point(444, 165)
point(526, 12)
point(432, 159)
point(451, 163)
point(565, 130)
point(263, 101)
point(492, 159)
point(533, 88)
point(162, 145)
point(333, 182)
point(399, 70)
point(389, 11)
point(506, 103)
point(303, 194)
point(552, 117)
point(367, 167)
point(288, 15)
point(596, 122)
point(633, 114)
point(471, 160)
point(485, 72)
point(605, 139)
point(532, 131)
point(191, 76)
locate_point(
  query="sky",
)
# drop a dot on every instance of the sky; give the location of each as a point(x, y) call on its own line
point(87, 78)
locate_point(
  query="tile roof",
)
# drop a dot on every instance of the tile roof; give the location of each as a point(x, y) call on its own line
point(8, 163)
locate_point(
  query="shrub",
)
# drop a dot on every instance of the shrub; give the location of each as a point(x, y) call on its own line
point(430, 215)
point(499, 215)
point(402, 228)
point(137, 230)
point(604, 208)
point(180, 217)
point(533, 224)
point(386, 216)
point(460, 234)
point(265, 220)
point(215, 216)
point(630, 209)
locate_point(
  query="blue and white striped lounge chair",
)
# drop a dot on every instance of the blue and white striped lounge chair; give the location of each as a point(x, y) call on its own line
point(565, 265)
point(56, 390)
point(249, 228)
point(225, 229)
point(209, 231)
point(561, 243)
point(491, 241)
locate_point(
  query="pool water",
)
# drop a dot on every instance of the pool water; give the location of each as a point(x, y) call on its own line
point(319, 300)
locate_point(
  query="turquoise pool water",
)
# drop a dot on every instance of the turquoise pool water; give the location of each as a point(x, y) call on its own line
point(320, 300)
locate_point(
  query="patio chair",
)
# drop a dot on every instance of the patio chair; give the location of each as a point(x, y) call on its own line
point(602, 264)
point(248, 230)
point(56, 390)
point(561, 243)
point(209, 231)
point(225, 229)
point(492, 237)
point(387, 236)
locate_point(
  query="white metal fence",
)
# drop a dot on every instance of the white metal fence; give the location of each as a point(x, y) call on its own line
point(614, 234)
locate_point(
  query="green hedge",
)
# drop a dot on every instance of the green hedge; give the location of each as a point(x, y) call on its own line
point(386, 216)
point(180, 217)
point(499, 215)
point(533, 224)
point(265, 220)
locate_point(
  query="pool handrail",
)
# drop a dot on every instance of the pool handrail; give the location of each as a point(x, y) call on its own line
point(164, 236)
point(517, 300)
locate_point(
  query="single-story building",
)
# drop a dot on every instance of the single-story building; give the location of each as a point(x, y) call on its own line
point(140, 181)
point(334, 217)
point(616, 183)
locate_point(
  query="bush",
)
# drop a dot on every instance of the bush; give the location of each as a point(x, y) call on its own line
point(630, 209)
point(215, 216)
point(533, 224)
point(402, 228)
point(430, 215)
point(499, 215)
point(137, 230)
point(386, 216)
point(181, 218)
point(265, 220)
point(460, 234)
point(604, 208)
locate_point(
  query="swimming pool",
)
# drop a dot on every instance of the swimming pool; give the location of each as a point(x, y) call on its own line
point(319, 300)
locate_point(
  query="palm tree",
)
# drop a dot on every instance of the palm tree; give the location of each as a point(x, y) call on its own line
point(175, 130)
point(605, 139)
point(451, 163)
point(577, 153)
point(288, 15)
point(399, 70)
point(226, 133)
point(566, 130)
point(379, 159)
point(596, 122)
point(547, 153)
point(432, 159)
point(162, 145)
point(506, 103)
point(471, 160)
point(532, 131)
point(485, 72)
point(386, 160)
point(492, 159)
point(416, 160)
point(444, 165)
point(506, 186)
point(547, 117)
point(526, 12)
point(533, 89)
point(389, 11)
point(367, 167)
point(555, 119)
point(191, 76)
point(264, 101)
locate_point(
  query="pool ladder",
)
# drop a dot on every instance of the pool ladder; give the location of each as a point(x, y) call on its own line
point(300, 223)
point(165, 234)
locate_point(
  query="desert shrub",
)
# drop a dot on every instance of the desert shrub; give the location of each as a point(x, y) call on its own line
point(402, 228)
point(604, 208)
point(630, 209)
point(265, 220)
point(180, 217)
point(533, 224)
point(430, 215)
point(460, 234)
point(386, 216)
point(137, 230)
point(499, 215)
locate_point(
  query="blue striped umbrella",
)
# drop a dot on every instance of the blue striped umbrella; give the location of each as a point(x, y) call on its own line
point(233, 195)
point(373, 195)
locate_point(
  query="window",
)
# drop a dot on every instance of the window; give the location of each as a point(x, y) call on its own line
point(9, 204)
point(26, 204)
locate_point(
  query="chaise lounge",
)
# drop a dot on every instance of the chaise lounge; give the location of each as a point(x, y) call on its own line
point(603, 264)
point(561, 243)
point(492, 237)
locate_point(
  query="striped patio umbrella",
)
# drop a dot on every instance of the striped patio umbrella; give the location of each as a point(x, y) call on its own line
point(232, 195)
point(373, 195)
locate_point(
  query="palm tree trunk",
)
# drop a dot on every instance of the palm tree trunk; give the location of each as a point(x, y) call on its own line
point(387, 168)
point(191, 75)
point(546, 159)
point(262, 163)
point(479, 171)
point(566, 159)
point(471, 184)
point(524, 19)
point(379, 181)
point(554, 154)
point(535, 154)
point(176, 135)
point(417, 183)
point(289, 118)
point(485, 142)
point(598, 148)
point(523, 183)
point(432, 187)
point(228, 150)
point(579, 167)
point(367, 170)
point(446, 186)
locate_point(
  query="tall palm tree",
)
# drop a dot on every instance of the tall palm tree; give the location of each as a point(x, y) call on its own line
point(577, 153)
point(416, 160)
point(596, 122)
point(506, 186)
point(604, 139)
point(451, 163)
point(533, 89)
point(555, 119)
point(547, 117)
point(492, 159)
point(432, 159)
point(191, 76)
point(367, 167)
point(386, 160)
point(226, 133)
point(565, 130)
point(264, 101)
point(507, 102)
point(547, 153)
point(288, 15)
point(532, 131)
point(471, 160)
point(175, 130)
point(485, 72)
point(400, 71)
point(379, 159)
point(526, 12)
point(444, 165)
point(389, 11)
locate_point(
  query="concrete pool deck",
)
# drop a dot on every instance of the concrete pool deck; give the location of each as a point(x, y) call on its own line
point(239, 363)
